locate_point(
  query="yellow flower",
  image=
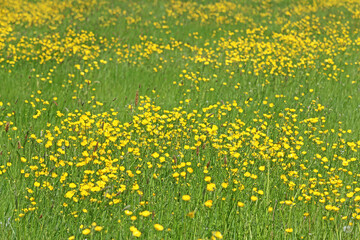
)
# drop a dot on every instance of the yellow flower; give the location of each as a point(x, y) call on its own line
point(191, 214)
point(98, 228)
point(350, 194)
point(289, 230)
point(127, 212)
point(133, 229)
point(270, 209)
point(136, 233)
point(217, 234)
point(186, 197)
point(145, 213)
point(208, 203)
point(240, 204)
point(211, 187)
point(69, 194)
point(86, 231)
point(135, 186)
point(158, 227)
point(155, 155)
point(254, 198)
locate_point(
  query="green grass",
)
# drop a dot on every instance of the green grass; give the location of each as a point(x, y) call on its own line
point(138, 102)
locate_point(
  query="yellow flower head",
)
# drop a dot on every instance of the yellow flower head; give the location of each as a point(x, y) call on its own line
point(158, 227)
point(240, 204)
point(208, 203)
point(211, 187)
point(186, 197)
point(86, 231)
point(217, 234)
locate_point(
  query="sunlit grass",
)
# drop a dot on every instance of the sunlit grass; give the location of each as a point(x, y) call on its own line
point(179, 120)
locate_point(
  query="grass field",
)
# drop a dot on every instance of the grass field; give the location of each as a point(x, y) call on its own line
point(171, 119)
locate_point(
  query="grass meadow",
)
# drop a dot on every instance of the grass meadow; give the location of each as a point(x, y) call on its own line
point(172, 119)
